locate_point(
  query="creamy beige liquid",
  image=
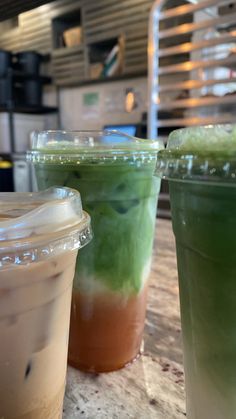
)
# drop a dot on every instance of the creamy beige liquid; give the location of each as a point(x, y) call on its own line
point(34, 326)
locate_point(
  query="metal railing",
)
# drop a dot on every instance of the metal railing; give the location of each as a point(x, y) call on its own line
point(191, 68)
point(192, 64)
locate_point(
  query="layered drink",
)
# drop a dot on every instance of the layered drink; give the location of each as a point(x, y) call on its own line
point(114, 174)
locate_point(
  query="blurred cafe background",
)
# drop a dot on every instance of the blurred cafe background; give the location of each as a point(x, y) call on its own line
point(141, 66)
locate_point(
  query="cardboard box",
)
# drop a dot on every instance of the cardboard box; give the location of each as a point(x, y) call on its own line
point(73, 37)
point(95, 70)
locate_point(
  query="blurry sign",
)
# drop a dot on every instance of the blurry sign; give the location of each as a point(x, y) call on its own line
point(90, 105)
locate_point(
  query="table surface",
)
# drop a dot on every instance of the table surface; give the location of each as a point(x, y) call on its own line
point(153, 386)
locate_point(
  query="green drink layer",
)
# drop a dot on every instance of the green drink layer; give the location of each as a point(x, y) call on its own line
point(121, 199)
point(201, 167)
point(204, 222)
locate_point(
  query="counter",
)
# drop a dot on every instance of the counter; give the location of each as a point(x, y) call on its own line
point(153, 386)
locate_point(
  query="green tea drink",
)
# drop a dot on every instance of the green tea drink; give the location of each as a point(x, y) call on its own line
point(40, 235)
point(114, 174)
point(201, 167)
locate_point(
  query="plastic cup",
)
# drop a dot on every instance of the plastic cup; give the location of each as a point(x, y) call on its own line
point(114, 174)
point(40, 234)
point(200, 164)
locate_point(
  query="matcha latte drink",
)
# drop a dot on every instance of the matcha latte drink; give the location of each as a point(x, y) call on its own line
point(114, 174)
point(39, 237)
point(200, 164)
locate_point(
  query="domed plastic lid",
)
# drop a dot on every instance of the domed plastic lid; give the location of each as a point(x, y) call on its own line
point(96, 146)
point(34, 226)
point(200, 154)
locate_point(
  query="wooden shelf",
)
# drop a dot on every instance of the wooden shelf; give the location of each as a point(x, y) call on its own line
point(193, 27)
point(192, 84)
point(100, 21)
point(33, 110)
point(193, 66)
point(187, 9)
point(86, 82)
point(194, 121)
point(200, 102)
point(65, 51)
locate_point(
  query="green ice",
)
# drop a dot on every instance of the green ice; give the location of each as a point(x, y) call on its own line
point(121, 198)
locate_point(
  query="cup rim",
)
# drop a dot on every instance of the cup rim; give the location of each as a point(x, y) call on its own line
point(23, 242)
point(95, 145)
point(199, 154)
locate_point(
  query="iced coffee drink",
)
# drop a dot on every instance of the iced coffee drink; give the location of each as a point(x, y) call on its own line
point(39, 237)
point(114, 174)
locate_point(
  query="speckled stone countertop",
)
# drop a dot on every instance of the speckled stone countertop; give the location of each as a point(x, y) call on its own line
point(153, 386)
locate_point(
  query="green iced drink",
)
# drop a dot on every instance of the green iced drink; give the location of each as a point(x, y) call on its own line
point(201, 167)
point(114, 174)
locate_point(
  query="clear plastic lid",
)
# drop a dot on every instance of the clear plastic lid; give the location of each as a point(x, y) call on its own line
point(206, 153)
point(95, 146)
point(34, 226)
